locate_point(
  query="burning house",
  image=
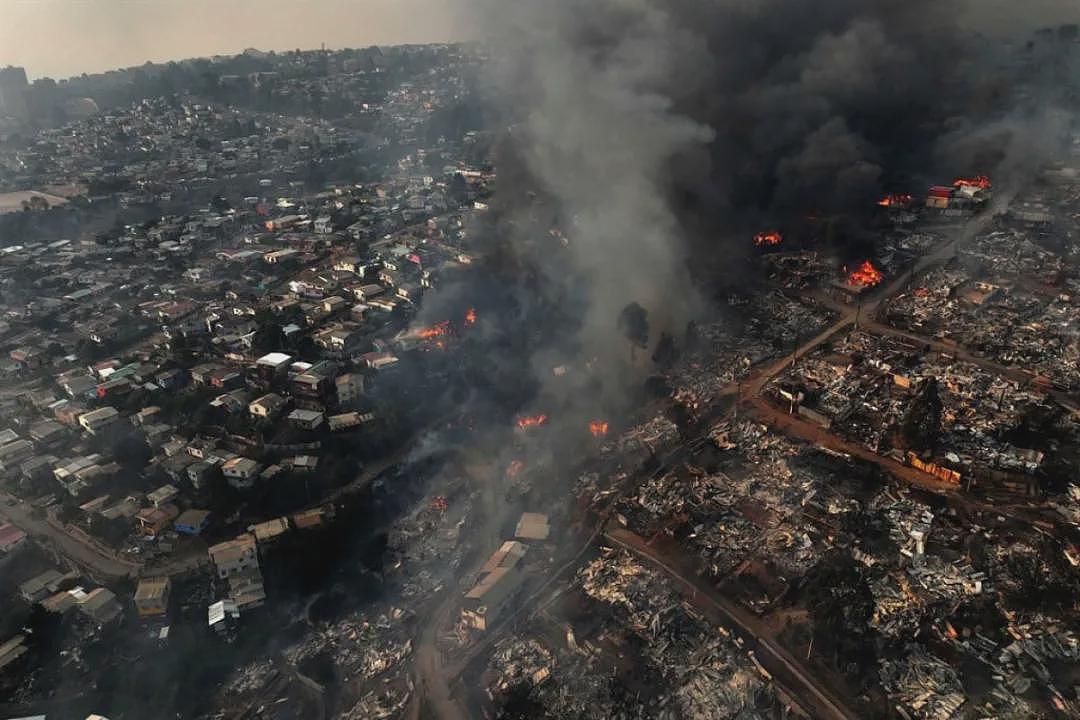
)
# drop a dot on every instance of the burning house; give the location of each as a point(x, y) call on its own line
point(524, 424)
point(768, 239)
point(427, 338)
point(896, 201)
point(964, 197)
point(856, 282)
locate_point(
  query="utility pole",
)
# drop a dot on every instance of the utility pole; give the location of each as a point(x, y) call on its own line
point(738, 399)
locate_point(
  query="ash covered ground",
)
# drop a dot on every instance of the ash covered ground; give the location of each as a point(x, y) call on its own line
point(683, 360)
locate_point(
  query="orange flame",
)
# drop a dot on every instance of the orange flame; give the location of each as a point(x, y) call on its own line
point(528, 422)
point(895, 200)
point(598, 428)
point(979, 181)
point(764, 239)
point(865, 275)
point(470, 316)
point(436, 330)
point(514, 469)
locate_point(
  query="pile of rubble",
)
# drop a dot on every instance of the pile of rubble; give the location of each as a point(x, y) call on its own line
point(947, 582)
point(775, 484)
point(699, 378)
point(909, 520)
point(781, 321)
point(641, 442)
point(708, 674)
point(362, 648)
point(795, 270)
point(708, 683)
point(1010, 671)
point(725, 518)
point(721, 545)
point(1068, 504)
point(916, 243)
point(925, 307)
point(695, 495)
point(430, 534)
point(425, 546)
point(921, 685)
point(1004, 317)
point(1035, 644)
point(897, 610)
point(519, 662)
point(250, 678)
point(1011, 253)
point(379, 704)
point(754, 441)
point(567, 683)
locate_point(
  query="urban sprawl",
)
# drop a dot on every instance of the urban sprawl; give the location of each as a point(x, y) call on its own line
point(235, 396)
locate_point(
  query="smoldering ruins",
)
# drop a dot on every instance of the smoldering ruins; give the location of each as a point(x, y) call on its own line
point(644, 360)
point(646, 144)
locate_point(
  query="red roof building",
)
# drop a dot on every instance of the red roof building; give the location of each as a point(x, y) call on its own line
point(10, 536)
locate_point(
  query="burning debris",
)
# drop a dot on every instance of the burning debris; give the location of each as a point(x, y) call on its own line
point(363, 646)
point(598, 428)
point(379, 704)
point(979, 181)
point(706, 671)
point(519, 663)
point(438, 330)
point(532, 421)
point(866, 275)
point(251, 677)
point(767, 239)
point(896, 200)
point(643, 441)
point(514, 469)
point(470, 317)
point(922, 686)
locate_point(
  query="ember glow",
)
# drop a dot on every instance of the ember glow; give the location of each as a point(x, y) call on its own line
point(438, 330)
point(598, 428)
point(895, 200)
point(765, 239)
point(529, 422)
point(865, 275)
point(470, 316)
point(979, 181)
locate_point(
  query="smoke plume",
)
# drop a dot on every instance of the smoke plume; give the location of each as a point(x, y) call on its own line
point(667, 132)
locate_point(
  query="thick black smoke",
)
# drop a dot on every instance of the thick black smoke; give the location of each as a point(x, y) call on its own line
point(669, 131)
point(645, 141)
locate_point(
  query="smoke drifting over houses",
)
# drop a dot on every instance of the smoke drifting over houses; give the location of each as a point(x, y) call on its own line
point(667, 132)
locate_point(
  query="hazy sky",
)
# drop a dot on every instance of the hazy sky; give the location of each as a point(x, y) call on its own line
point(60, 38)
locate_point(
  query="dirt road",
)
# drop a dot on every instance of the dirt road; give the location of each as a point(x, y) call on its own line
point(431, 680)
point(81, 553)
point(815, 697)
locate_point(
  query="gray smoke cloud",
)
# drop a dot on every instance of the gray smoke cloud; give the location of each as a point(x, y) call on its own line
point(598, 131)
point(671, 130)
point(658, 136)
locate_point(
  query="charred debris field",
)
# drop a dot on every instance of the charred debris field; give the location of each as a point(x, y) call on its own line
point(641, 361)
